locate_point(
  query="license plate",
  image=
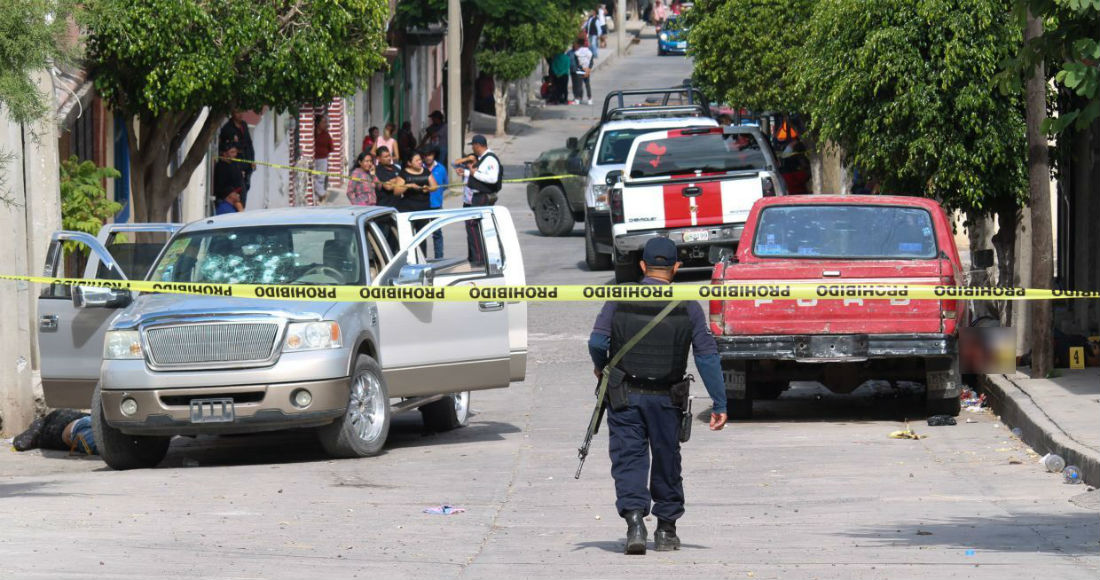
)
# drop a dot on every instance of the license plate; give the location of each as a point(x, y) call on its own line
point(696, 236)
point(212, 410)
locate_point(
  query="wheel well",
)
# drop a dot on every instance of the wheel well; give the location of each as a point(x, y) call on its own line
point(365, 347)
point(546, 184)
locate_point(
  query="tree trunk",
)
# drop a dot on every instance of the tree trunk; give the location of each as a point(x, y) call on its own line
point(472, 26)
point(1004, 243)
point(1042, 238)
point(500, 102)
point(153, 190)
point(523, 92)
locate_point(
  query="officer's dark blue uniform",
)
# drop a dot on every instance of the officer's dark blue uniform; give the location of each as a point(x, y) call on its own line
point(649, 427)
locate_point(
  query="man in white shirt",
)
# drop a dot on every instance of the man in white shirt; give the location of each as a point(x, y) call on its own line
point(582, 70)
point(482, 174)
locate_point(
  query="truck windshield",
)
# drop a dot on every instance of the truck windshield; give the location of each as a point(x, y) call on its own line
point(709, 153)
point(615, 146)
point(311, 255)
point(845, 231)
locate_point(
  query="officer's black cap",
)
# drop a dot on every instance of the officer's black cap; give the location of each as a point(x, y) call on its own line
point(660, 253)
point(479, 140)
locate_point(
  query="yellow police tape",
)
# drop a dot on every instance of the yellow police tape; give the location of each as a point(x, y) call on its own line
point(350, 178)
point(579, 293)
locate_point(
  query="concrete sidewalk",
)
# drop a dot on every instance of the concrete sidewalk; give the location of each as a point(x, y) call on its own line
point(1057, 415)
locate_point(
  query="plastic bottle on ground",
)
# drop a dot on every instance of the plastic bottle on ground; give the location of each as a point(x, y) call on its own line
point(1071, 474)
point(1054, 463)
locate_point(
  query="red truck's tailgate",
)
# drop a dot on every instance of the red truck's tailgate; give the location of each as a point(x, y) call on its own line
point(842, 316)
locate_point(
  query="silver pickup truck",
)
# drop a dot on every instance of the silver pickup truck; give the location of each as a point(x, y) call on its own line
point(154, 365)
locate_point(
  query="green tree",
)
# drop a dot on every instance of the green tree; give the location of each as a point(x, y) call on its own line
point(32, 36)
point(512, 46)
point(476, 15)
point(159, 63)
point(84, 202)
point(745, 51)
point(1070, 48)
point(907, 89)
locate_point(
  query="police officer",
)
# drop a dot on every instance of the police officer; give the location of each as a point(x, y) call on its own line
point(483, 175)
point(650, 423)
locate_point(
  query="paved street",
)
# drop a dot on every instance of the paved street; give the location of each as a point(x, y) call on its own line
point(811, 488)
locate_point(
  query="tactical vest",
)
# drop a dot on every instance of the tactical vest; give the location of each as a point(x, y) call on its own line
point(483, 187)
point(660, 358)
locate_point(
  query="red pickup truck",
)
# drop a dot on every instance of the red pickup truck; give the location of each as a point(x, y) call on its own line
point(767, 342)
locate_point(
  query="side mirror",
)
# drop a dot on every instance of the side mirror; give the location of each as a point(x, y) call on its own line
point(415, 275)
point(572, 143)
point(575, 165)
point(95, 297)
point(982, 259)
point(613, 177)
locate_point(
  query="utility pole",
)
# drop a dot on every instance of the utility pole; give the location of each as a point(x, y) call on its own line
point(454, 85)
point(1042, 238)
point(620, 26)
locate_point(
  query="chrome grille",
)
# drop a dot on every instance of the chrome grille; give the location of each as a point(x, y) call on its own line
point(212, 343)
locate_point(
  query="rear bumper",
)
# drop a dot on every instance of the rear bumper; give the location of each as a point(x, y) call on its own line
point(836, 348)
point(720, 235)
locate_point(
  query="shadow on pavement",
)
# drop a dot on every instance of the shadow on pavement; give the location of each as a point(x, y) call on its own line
point(409, 431)
point(617, 546)
point(810, 402)
point(1076, 533)
point(301, 446)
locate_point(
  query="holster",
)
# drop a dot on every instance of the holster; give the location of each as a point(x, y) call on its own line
point(616, 389)
point(680, 394)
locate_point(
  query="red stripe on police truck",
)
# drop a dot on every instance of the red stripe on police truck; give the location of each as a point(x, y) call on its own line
point(699, 210)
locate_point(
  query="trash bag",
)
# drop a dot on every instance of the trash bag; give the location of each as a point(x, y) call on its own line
point(941, 420)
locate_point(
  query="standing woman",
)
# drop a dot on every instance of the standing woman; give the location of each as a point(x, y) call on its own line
point(387, 141)
point(415, 186)
point(363, 187)
point(370, 140)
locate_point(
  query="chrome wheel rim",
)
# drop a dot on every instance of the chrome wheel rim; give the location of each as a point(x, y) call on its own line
point(367, 407)
point(462, 406)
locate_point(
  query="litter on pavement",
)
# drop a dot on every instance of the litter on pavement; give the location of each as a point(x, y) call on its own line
point(906, 433)
point(1053, 463)
point(941, 420)
point(1071, 474)
point(972, 401)
point(444, 510)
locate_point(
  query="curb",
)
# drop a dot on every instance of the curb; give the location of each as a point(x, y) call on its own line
point(1017, 409)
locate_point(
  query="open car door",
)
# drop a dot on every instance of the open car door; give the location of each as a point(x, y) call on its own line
point(512, 273)
point(446, 347)
point(72, 321)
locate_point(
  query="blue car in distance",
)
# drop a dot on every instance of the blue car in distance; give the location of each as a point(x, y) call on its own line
point(673, 38)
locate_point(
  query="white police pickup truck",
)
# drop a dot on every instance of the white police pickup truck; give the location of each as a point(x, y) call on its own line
point(694, 186)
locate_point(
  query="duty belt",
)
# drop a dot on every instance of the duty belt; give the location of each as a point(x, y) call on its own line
point(649, 390)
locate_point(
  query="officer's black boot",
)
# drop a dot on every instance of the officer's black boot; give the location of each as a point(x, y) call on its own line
point(635, 532)
point(665, 538)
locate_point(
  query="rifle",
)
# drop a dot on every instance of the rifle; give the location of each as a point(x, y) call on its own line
point(601, 390)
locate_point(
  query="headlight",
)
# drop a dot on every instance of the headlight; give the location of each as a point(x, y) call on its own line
point(599, 194)
point(312, 336)
point(664, 36)
point(122, 344)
